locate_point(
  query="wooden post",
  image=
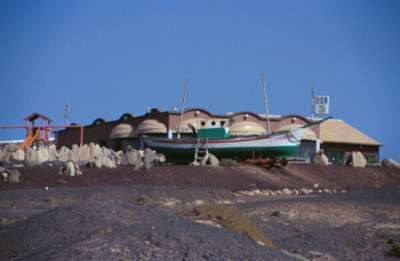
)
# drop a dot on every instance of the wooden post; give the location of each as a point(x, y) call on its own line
point(81, 139)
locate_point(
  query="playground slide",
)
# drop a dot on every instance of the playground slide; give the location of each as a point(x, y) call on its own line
point(30, 139)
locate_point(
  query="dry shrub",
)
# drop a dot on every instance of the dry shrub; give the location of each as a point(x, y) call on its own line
point(394, 250)
point(144, 200)
point(230, 217)
point(228, 163)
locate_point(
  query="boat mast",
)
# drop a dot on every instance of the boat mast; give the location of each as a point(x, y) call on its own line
point(185, 93)
point(266, 103)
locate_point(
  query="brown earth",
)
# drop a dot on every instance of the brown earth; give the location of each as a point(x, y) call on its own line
point(243, 177)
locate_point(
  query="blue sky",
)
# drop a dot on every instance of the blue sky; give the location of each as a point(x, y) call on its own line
point(104, 58)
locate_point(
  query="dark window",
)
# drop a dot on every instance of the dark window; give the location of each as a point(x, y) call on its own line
point(371, 158)
point(223, 123)
point(203, 123)
point(335, 156)
point(213, 123)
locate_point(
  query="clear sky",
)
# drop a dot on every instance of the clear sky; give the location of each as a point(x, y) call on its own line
point(104, 58)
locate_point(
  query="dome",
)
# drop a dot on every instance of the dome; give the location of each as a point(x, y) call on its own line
point(246, 128)
point(308, 135)
point(151, 126)
point(121, 131)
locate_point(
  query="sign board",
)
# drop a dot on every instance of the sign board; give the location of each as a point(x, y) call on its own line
point(321, 104)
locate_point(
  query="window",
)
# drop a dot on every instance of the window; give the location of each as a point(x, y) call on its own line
point(371, 158)
point(213, 123)
point(203, 123)
point(335, 156)
point(223, 123)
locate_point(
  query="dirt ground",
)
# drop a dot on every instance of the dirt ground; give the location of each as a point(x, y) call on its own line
point(243, 177)
point(97, 216)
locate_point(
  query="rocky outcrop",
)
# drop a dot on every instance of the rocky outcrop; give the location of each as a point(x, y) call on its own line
point(391, 163)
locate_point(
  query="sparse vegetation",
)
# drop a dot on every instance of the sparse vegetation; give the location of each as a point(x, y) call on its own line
point(7, 221)
point(231, 218)
point(144, 200)
point(394, 250)
point(228, 162)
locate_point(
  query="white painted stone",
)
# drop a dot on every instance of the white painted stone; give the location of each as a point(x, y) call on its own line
point(42, 154)
point(18, 155)
point(53, 154)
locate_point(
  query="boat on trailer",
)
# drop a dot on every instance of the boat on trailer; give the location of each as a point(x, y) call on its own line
point(269, 145)
point(281, 144)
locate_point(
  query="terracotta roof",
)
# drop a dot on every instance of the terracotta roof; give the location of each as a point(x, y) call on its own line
point(338, 131)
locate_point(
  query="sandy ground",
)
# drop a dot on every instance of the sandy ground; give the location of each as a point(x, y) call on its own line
point(97, 217)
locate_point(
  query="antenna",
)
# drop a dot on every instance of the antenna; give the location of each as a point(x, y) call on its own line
point(66, 114)
point(312, 101)
point(263, 82)
point(185, 94)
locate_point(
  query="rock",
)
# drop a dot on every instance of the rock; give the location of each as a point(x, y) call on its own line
point(31, 157)
point(53, 154)
point(358, 159)
point(275, 213)
point(391, 163)
point(84, 153)
point(209, 159)
point(108, 163)
point(17, 156)
point(320, 159)
point(286, 192)
point(42, 154)
point(70, 168)
point(14, 176)
point(265, 192)
point(160, 158)
point(64, 154)
point(304, 191)
point(75, 153)
point(132, 157)
point(213, 160)
point(119, 156)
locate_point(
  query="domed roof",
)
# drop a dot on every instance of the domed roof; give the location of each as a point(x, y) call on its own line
point(246, 128)
point(308, 135)
point(151, 126)
point(122, 130)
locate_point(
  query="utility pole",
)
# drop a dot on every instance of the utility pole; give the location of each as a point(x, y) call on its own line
point(66, 114)
point(312, 101)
